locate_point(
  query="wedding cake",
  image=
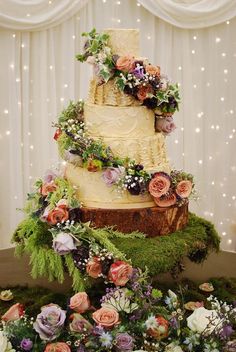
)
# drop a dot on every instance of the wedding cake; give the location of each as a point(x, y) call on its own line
point(114, 142)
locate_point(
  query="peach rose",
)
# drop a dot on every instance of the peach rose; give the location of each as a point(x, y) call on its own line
point(161, 330)
point(159, 185)
point(57, 347)
point(94, 268)
point(125, 63)
point(14, 312)
point(106, 317)
point(80, 302)
point(79, 323)
point(120, 272)
point(166, 201)
point(143, 92)
point(184, 188)
point(58, 214)
point(48, 188)
point(153, 70)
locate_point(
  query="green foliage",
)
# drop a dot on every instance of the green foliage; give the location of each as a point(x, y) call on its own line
point(78, 282)
point(165, 98)
point(64, 191)
point(161, 254)
point(64, 143)
point(72, 111)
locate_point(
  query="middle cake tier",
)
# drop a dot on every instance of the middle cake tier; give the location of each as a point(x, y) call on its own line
point(130, 132)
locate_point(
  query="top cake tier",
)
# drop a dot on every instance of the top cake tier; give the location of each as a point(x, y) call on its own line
point(124, 41)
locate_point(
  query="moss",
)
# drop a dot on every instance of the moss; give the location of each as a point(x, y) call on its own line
point(162, 254)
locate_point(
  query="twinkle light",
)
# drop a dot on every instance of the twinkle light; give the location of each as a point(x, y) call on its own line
point(208, 84)
point(15, 197)
point(200, 162)
point(202, 68)
point(50, 2)
point(233, 197)
point(224, 195)
point(179, 68)
point(182, 129)
point(200, 114)
point(12, 66)
point(193, 51)
point(28, 15)
point(29, 133)
point(25, 67)
point(13, 35)
point(231, 112)
point(231, 136)
point(138, 20)
point(213, 183)
point(50, 67)
point(8, 133)
point(229, 241)
point(197, 130)
point(104, 1)
point(6, 111)
point(62, 99)
point(148, 37)
point(22, 45)
point(138, 4)
point(73, 36)
point(222, 98)
point(227, 22)
point(31, 147)
point(223, 54)
point(118, 2)
point(176, 141)
point(218, 40)
point(17, 80)
point(119, 20)
point(217, 127)
point(212, 127)
point(194, 86)
point(194, 37)
point(210, 157)
point(183, 154)
point(65, 85)
point(225, 71)
point(224, 233)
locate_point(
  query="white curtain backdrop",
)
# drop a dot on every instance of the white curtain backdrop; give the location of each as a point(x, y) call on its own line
point(39, 75)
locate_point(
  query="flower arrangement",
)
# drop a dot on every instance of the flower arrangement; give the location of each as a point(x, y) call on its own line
point(133, 76)
point(132, 316)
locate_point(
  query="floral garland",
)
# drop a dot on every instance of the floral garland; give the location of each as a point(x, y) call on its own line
point(132, 317)
point(134, 76)
point(81, 150)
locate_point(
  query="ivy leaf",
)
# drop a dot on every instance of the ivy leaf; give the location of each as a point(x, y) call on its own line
point(156, 293)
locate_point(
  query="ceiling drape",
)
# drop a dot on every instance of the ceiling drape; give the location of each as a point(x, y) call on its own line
point(42, 14)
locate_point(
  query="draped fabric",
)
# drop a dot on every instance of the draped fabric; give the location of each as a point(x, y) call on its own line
point(42, 14)
point(39, 75)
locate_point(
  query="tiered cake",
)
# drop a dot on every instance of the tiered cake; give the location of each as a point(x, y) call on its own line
point(129, 130)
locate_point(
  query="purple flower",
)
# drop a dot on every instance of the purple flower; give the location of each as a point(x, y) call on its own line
point(230, 346)
point(112, 174)
point(124, 342)
point(226, 331)
point(49, 176)
point(63, 243)
point(49, 322)
point(165, 125)
point(138, 72)
point(26, 344)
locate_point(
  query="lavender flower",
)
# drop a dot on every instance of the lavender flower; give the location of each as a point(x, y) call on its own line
point(226, 331)
point(138, 72)
point(49, 322)
point(63, 243)
point(106, 339)
point(49, 176)
point(112, 174)
point(124, 342)
point(26, 344)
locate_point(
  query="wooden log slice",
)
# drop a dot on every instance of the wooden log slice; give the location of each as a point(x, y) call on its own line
point(151, 221)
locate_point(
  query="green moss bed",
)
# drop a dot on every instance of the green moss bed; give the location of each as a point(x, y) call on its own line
point(34, 298)
point(165, 253)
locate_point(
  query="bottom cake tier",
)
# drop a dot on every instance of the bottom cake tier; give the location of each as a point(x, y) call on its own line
point(151, 221)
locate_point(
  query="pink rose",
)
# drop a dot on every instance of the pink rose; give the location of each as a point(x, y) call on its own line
point(94, 268)
point(106, 317)
point(165, 125)
point(112, 174)
point(14, 312)
point(153, 70)
point(79, 323)
point(184, 188)
point(48, 188)
point(80, 302)
point(120, 273)
point(143, 92)
point(57, 347)
point(125, 63)
point(56, 215)
point(166, 200)
point(159, 184)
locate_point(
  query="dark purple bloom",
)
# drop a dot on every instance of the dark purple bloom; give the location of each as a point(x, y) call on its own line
point(174, 323)
point(138, 72)
point(26, 344)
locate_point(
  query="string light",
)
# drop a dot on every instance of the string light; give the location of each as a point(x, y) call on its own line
point(73, 36)
point(179, 68)
point(218, 40)
point(17, 80)
point(227, 22)
point(225, 71)
point(223, 54)
point(148, 37)
point(138, 4)
point(6, 111)
point(197, 130)
point(195, 86)
point(222, 98)
point(202, 68)
point(176, 141)
point(65, 85)
point(200, 162)
point(138, 19)
point(231, 112)
point(12, 66)
point(50, 67)
point(31, 147)
point(22, 45)
point(119, 21)
point(193, 51)
point(194, 37)
point(28, 15)
point(8, 133)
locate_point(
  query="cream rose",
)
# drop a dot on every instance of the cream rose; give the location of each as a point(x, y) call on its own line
point(172, 347)
point(120, 272)
point(205, 320)
point(5, 345)
point(106, 317)
point(125, 63)
point(184, 188)
point(80, 302)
